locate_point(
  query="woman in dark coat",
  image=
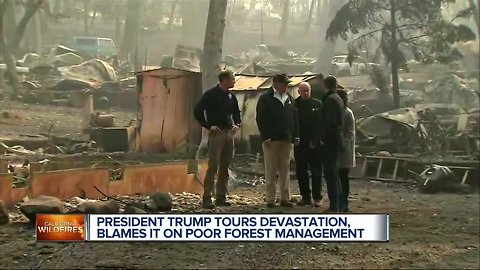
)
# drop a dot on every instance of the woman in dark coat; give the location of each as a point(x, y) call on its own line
point(346, 158)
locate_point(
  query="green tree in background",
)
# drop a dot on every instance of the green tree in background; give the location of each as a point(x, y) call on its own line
point(419, 26)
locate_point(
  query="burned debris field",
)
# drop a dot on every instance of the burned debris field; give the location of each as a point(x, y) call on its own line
point(427, 231)
point(101, 105)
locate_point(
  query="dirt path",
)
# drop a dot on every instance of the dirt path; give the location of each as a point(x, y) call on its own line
point(427, 231)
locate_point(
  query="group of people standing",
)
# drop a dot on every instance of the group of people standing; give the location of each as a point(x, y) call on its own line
point(321, 132)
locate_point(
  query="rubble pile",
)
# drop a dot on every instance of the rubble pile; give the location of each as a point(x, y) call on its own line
point(136, 204)
point(437, 127)
point(262, 59)
point(267, 59)
point(448, 122)
point(441, 179)
point(451, 89)
point(43, 205)
point(60, 77)
point(97, 207)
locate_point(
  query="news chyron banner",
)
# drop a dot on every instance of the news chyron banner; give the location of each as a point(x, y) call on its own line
point(214, 227)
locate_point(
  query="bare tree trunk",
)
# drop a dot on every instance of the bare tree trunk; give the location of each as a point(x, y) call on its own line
point(261, 24)
point(212, 53)
point(130, 34)
point(57, 7)
point(38, 33)
point(310, 15)
point(233, 6)
point(327, 48)
point(30, 9)
point(93, 18)
point(285, 17)
point(8, 57)
point(160, 8)
point(171, 18)
point(117, 23)
point(320, 6)
point(394, 59)
point(476, 13)
point(12, 21)
point(85, 16)
point(194, 18)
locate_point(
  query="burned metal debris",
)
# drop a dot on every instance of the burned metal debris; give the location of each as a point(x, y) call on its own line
point(442, 134)
point(441, 179)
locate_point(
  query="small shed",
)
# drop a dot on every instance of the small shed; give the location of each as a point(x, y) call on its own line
point(248, 89)
point(165, 120)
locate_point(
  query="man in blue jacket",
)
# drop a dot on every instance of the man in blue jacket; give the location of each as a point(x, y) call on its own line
point(218, 112)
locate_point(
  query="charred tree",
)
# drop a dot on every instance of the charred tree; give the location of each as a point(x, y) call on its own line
point(11, 45)
point(171, 18)
point(310, 15)
point(37, 23)
point(85, 16)
point(194, 19)
point(118, 31)
point(285, 18)
point(8, 56)
point(327, 47)
point(320, 6)
point(130, 33)
point(11, 20)
point(212, 53)
point(393, 56)
point(476, 13)
point(31, 7)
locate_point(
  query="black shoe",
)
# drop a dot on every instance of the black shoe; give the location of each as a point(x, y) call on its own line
point(286, 204)
point(317, 204)
point(304, 202)
point(222, 202)
point(207, 204)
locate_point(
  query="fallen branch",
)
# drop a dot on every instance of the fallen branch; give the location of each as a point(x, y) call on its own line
point(383, 180)
point(125, 203)
point(7, 148)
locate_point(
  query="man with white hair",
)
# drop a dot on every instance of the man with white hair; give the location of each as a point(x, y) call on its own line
point(307, 157)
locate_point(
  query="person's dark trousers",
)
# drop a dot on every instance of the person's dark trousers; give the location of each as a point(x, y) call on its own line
point(330, 172)
point(343, 173)
point(306, 160)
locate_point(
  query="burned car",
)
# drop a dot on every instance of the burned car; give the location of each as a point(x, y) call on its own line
point(397, 130)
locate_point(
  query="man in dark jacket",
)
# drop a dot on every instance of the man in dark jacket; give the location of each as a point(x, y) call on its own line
point(330, 139)
point(317, 86)
point(307, 156)
point(222, 121)
point(278, 125)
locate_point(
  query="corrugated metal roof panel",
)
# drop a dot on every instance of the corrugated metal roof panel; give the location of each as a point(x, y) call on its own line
point(298, 79)
point(254, 83)
point(248, 83)
point(155, 70)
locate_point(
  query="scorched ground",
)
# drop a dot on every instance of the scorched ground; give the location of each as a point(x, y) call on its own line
point(427, 231)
